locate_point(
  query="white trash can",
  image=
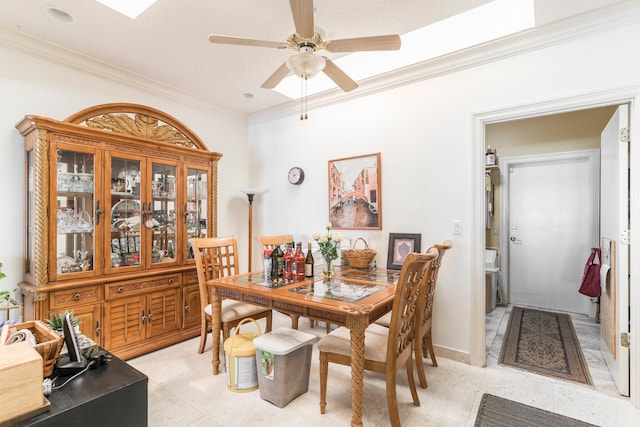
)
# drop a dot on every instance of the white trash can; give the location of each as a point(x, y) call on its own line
point(283, 359)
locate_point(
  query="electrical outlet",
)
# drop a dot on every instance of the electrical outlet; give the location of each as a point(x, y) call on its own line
point(457, 226)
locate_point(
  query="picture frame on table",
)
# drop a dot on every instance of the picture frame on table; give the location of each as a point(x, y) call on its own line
point(355, 199)
point(401, 245)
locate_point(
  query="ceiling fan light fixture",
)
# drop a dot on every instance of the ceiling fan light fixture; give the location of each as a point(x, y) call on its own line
point(306, 65)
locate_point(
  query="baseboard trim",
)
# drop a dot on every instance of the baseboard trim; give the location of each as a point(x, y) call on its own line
point(451, 354)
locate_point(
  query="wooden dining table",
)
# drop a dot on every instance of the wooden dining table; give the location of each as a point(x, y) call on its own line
point(352, 298)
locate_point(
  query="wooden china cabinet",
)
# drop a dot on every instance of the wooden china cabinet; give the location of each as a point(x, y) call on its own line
point(114, 193)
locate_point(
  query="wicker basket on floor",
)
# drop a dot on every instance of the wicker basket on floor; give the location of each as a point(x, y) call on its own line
point(359, 258)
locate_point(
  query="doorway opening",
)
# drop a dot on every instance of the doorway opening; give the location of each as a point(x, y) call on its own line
point(535, 136)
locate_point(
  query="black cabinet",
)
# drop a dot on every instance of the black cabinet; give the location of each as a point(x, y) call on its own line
point(114, 394)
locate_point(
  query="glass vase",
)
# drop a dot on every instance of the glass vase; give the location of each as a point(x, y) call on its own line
point(328, 271)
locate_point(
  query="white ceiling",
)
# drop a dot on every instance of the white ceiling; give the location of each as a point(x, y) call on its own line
point(168, 44)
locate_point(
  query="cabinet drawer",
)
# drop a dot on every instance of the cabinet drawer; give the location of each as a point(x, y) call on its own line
point(140, 286)
point(74, 297)
point(190, 277)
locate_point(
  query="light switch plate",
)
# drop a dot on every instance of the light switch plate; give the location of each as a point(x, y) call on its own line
point(457, 226)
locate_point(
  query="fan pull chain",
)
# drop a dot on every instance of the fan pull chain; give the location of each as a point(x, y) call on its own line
point(306, 98)
point(303, 98)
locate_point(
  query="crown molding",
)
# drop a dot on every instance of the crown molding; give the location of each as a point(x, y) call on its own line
point(603, 19)
point(579, 26)
point(41, 49)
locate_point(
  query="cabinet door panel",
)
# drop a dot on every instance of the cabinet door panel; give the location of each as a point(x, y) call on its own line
point(162, 214)
point(196, 207)
point(124, 213)
point(124, 322)
point(163, 312)
point(73, 220)
point(89, 318)
point(192, 312)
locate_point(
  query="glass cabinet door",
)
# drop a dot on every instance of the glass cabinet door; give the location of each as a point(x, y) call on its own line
point(161, 218)
point(196, 206)
point(75, 214)
point(125, 213)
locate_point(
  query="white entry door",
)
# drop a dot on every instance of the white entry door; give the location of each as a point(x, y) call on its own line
point(614, 220)
point(551, 218)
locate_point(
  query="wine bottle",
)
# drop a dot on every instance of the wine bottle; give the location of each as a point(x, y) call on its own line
point(308, 262)
point(298, 263)
point(288, 263)
point(267, 264)
point(277, 262)
point(280, 262)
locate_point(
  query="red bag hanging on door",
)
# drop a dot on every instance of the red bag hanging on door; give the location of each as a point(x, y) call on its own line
point(591, 278)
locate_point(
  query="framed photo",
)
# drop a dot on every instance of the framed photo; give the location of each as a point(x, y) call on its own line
point(354, 193)
point(401, 245)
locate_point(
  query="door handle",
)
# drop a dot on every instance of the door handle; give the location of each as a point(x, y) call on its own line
point(515, 240)
point(98, 212)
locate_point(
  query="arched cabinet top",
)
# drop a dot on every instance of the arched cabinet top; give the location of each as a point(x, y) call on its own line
point(138, 120)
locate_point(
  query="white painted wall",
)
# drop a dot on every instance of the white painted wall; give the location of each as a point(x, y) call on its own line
point(425, 134)
point(33, 86)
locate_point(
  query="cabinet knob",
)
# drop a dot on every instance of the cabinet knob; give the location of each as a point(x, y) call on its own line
point(120, 290)
point(186, 308)
point(98, 329)
point(150, 316)
point(76, 297)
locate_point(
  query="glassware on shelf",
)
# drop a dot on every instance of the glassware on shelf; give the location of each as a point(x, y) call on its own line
point(157, 188)
point(82, 183)
point(171, 187)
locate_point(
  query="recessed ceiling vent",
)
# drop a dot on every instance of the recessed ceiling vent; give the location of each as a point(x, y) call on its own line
point(59, 14)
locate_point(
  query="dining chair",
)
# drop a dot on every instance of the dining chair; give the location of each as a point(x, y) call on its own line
point(218, 257)
point(270, 242)
point(386, 350)
point(423, 338)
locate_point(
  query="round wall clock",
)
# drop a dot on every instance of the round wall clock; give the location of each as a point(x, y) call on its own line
point(295, 175)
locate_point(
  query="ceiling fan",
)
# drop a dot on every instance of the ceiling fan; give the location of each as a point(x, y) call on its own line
point(306, 63)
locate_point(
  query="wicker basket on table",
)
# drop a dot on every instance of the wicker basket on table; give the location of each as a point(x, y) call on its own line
point(359, 258)
point(48, 343)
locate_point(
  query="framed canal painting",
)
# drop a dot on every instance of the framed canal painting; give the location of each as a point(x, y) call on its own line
point(354, 193)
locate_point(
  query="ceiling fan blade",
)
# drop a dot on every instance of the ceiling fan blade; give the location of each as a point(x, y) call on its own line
point(338, 76)
point(302, 11)
point(391, 42)
point(276, 77)
point(213, 38)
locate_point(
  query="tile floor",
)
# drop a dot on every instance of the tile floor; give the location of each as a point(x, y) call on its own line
point(183, 392)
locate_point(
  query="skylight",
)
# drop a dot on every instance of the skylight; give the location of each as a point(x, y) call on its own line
point(130, 8)
point(490, 21)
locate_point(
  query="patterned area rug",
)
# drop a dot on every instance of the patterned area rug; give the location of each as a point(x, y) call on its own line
point(495, 411)
point(545, 343)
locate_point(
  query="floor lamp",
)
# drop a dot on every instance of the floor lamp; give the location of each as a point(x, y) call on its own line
point(251, 192)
